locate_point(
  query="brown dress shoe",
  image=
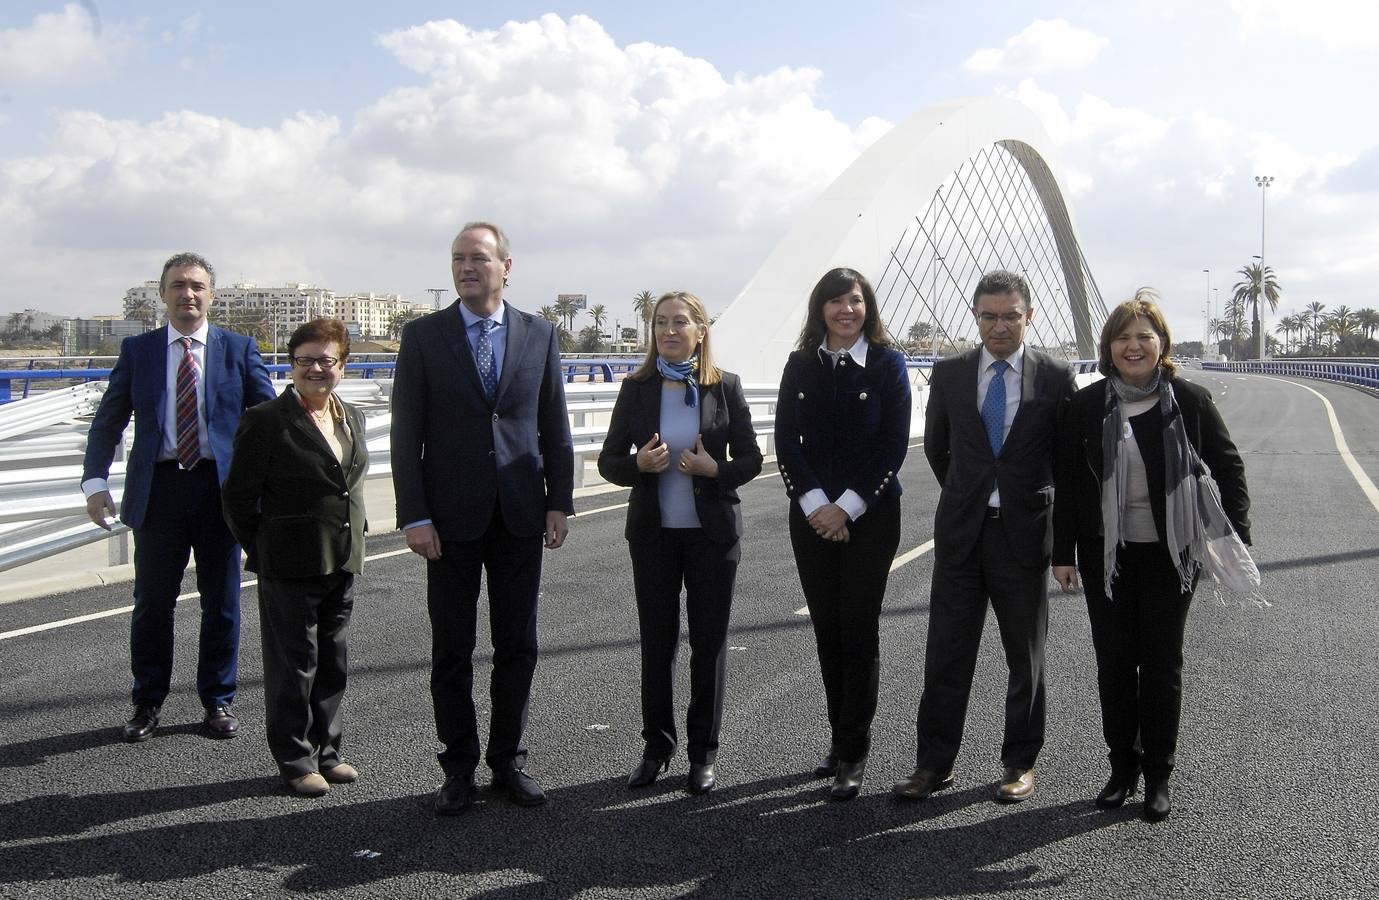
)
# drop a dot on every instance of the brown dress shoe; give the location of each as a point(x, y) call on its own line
point(220, 722)
point(340, 773)
point(1016, 785)
point(308, 785)
point(923, 783)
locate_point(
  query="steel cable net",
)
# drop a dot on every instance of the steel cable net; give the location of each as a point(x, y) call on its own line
point(1000, 210)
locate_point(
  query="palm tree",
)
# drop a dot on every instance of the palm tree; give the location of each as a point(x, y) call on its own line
point(919, 333)
point(1342, 324)
point(1258, 285)
point(643, 304)
point(550, 315)
point(1314, 314)
point(142, 310)
point(599, 313)
point(1285, 327)
point(566, 309)
point(1235, 309)
point(1368, 321)
point(16, 323)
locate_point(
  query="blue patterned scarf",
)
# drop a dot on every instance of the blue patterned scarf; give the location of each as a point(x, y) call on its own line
point(687, 371)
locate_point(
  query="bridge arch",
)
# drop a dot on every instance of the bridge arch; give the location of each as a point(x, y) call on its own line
point(955, 190)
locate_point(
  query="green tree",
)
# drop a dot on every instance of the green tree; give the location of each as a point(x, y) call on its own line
point(1314, 315)
point(549, 314)
point(143, 310)
point(643, 304)
point(599, 313)
point(1259, 286)
point(567, 311)
point(1367, 320)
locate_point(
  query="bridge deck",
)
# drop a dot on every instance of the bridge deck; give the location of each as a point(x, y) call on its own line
point(1276, 793)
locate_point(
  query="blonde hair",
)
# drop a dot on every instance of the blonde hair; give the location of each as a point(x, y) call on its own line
point(708, 373)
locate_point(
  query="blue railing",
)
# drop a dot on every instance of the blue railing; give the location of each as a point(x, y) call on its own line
point(593, 369)
point(1347, 371)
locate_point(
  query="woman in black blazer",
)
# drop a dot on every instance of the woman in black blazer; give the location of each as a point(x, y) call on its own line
point(1128, 515)
point(681, 437)
point(294, 498)
point(842, 428)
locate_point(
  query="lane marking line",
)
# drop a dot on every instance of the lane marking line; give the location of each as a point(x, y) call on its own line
point(1363, 480)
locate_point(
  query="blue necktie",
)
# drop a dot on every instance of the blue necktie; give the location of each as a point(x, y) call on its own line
point(488, 368)
point(994, 407)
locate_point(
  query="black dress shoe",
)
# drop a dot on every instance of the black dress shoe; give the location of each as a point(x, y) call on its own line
point(923, 783)
point(701, 778)
point(848, 781)
point(455, 796)
point(646, 772)
point(1157, 804)
point(142, 725)
point(1120, 787)
point(520, 787)
point(829, 767)
point(220, 722)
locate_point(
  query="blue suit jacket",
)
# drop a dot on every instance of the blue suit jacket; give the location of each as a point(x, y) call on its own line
point(455, 455)
point(235, 379)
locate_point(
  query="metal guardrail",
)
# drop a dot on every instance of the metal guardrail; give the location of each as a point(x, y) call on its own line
point(1346, 371)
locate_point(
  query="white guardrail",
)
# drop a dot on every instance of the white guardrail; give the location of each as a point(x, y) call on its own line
point(43, 440)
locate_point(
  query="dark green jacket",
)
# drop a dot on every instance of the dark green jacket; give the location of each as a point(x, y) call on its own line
point(295, 509)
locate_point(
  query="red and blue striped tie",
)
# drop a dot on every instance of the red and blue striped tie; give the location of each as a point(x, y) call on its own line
point(188, 444)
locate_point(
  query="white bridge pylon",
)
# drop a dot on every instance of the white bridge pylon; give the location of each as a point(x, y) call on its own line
point(912, 212)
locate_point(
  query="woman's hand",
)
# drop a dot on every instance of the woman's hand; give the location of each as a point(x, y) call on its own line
point(696, 460)
point(654, 456)
point(830, 522)
point(1066, 576)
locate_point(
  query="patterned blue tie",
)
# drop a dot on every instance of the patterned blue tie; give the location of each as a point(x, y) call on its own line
point(994, 407)
point(488, 368)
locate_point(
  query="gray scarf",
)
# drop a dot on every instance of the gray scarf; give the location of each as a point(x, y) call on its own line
point(1193, 514)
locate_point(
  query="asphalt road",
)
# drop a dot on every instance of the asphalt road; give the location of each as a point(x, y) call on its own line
point(1275, 795)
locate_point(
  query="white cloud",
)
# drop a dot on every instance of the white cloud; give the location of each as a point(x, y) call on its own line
point(619, 167)
point(1046, 45)
point(1344, 24)
point(65, 46)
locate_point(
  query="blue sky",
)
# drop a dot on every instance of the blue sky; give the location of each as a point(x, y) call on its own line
point(630, 146)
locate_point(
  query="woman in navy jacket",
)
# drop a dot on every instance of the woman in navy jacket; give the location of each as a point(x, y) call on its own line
point(842, 428)
point(681, 437)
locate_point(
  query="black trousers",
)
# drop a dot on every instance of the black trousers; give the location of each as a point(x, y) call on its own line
point(957, 614)
point(1138, 637)
point(661, 562)
point(844, 584)
point(306, 627)
point(513, 565)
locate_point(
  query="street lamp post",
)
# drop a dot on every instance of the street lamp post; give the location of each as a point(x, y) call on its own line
point(1206, 314)
point(1263, 181)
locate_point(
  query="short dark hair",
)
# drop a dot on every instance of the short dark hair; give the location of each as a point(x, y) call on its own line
point(324, 331)
point(1144, 304)
point(182, 260)
point(1000, 281)
point(835, 283)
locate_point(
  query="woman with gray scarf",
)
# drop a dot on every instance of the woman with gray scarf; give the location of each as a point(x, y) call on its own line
point(1133, 517)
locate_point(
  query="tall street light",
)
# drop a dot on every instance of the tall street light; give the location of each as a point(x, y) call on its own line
point(1263, 181)
point(1206, 314)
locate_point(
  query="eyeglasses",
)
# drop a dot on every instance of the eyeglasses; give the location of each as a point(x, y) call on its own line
point(1012, 319)
point(306, 362)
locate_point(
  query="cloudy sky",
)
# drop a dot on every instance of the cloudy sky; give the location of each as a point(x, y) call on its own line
point(627, 147)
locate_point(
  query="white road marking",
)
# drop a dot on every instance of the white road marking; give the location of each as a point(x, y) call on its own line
point(1366, 485)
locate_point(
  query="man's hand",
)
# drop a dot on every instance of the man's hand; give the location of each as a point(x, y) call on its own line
point(653, 457)
point(100, 508)
point(556, 529)
point(696, 460)
point(1066, 576)
point(830, 522)
point(424, 541)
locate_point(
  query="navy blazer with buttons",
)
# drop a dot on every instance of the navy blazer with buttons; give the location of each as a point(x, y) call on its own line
point(843, 427)
point(457, 456)
point(235, 379)
point(725, 424)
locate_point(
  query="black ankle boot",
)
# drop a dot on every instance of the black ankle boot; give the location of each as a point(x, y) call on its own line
point(1157, 803)
point(848, 781)
point(1119, 788)
point(646, 772)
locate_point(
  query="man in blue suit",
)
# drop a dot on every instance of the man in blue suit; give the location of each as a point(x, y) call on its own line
point(483, 469)
point(185, 385)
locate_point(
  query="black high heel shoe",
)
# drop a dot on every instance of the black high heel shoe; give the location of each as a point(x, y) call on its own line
point(848, 781)
point(646, 772)
point(829, 767)
point(1119, 788)
point(701, 778)
point(1157, 804)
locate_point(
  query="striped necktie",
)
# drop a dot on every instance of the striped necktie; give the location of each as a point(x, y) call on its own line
point(188, 444)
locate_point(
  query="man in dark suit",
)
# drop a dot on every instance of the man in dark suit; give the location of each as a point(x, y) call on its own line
point(483, 469)
point(989, 435)
point(185, 385)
